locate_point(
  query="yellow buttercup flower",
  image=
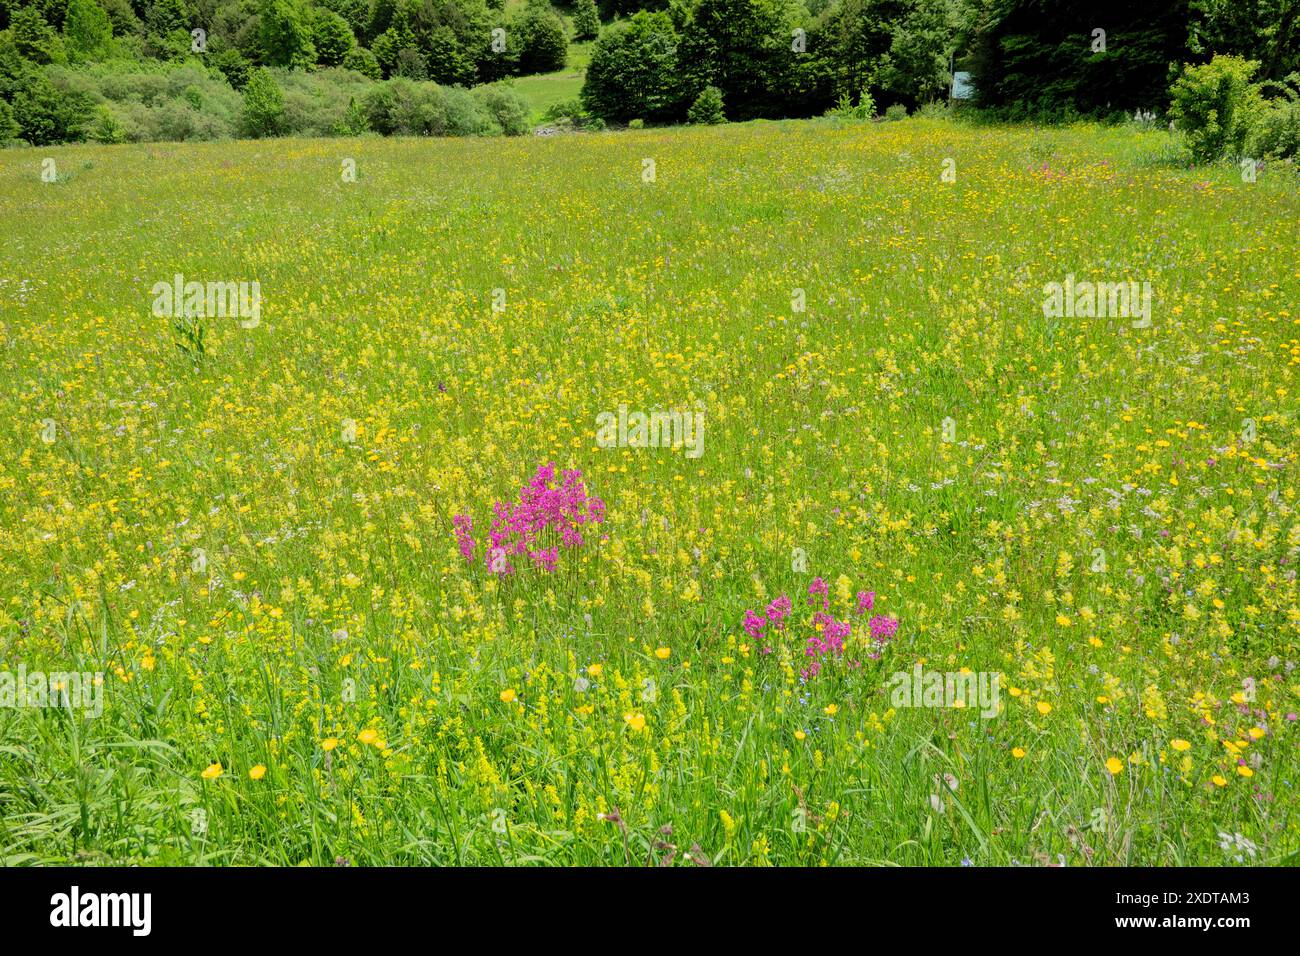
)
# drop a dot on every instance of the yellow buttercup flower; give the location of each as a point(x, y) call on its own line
point(258, 772)
point(1044, 707)
point(1115, 765)
point(1179, 744)
point(508, 695)
point(663, 652)
point(213, 772)
point(635, 721)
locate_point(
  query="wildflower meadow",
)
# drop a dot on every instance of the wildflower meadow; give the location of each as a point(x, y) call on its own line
point(822, 492)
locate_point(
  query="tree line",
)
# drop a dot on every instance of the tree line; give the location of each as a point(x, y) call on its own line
point(142, 69)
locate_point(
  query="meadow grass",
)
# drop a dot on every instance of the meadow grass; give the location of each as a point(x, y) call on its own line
point(253, 543)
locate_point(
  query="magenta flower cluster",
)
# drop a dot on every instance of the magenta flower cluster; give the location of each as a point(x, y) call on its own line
point(828, 641)
point(543, 520)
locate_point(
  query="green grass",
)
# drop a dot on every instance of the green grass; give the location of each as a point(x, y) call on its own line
point(544, 90)
point(1104, 515)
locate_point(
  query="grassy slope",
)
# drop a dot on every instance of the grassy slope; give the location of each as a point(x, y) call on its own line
point(546, 89)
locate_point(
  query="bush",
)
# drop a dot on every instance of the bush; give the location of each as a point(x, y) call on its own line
point(144, 102)
point(107, 128)
point(392, 108)
point(845, 109)
point(465, 113)
point(322, 103)
point(263, 105)
point(895, 112)
point(400, 107)
point(571, 113)
point(707, 108)
point(506, 107)
point(1277, 134)
point(1217, 106)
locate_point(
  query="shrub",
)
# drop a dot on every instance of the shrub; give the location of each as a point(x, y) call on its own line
point(465, 112)
point(263, 105)
point(139, 102)
point(1217, 106)
point(865, 109)
point(107, 128)
point(707, 108)
point(1278, 132)
point(571, 113)
point(317, 104)
point(506, 107)
point(401, 107)
point(895, 112)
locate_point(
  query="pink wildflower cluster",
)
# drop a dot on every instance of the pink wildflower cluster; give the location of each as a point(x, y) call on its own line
point(538, 525)
point(830, 636)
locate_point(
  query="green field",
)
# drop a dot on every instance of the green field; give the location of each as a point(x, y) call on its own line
point(247, 526)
